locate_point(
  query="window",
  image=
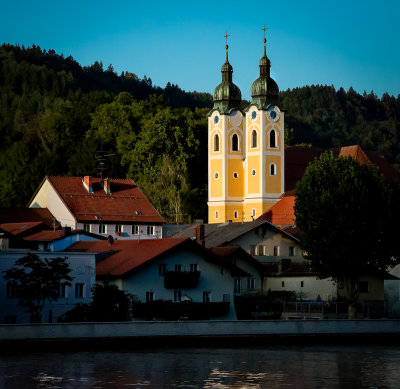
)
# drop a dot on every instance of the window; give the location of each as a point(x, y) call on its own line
point(149, 297)
point(272, 169)
point(162, 269)
point(216, 119)
point(206, 297)
point(86, 227)
point(216, 175)
point(177, 296)
point(251, 283)
point(272, 138)
point(254, 139)
point(253, 249)
point(261, 250)
point(79, 289)
point(216, 214)
point(235, 175)
point(11, 292)
point(216, 142)
point(283, 284)
point(118, 228)
point(178, 267)
point(253, 114)
point(102, 228)
point(276, 251)
point(253, 212)
point(363, 286)
point(194, 267)
point(235, 215)
point(135, 230)
point(301, 284)
point(150, 230)
point(235, 142)
point(253, 172)
point(291, 251)
point(62, 290)
point(238, 286)
point(10, 319)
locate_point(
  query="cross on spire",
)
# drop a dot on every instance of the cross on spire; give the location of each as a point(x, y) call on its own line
point(226, 44)
point(264, 29)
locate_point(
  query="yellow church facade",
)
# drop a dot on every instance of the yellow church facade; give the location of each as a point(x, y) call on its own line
point(245, 148)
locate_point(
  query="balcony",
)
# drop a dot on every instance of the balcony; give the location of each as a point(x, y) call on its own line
point(181, 279)
point(168, 310)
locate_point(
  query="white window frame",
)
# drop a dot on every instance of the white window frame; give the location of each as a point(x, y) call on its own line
point(151, 230)
point(87, 227)
point(102, 228)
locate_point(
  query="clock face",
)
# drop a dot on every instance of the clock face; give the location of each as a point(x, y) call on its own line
point(273, 113)
point(216, 119)
point(253, 114)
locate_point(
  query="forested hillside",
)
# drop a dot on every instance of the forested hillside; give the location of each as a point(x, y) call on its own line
point(55, 117)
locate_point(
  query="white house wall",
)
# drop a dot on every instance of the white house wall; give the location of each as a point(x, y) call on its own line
point(47, 197)
point(312, 287)
point(83, 271)
point(212, 279)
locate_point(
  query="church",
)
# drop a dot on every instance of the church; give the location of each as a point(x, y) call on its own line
point(245, 148)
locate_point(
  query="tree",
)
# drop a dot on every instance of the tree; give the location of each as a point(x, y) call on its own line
point(36, 280)
point(347, 213)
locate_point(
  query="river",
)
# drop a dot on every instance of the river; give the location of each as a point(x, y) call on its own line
point(245, 368)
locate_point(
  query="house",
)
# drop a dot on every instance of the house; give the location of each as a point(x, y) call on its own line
point(115, 207)
point(173, 278)
point(82, 271)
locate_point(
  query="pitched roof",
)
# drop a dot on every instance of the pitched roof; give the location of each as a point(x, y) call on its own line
point(124, 256)
point(126, 203)
point(25, 215)
point(222, 234)
point(20, 228)
point(281, 213)
point(50, 235)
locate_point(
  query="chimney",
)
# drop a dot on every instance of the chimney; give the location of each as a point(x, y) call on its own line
point(107, 186)
point(87, 183)
point(200, 234)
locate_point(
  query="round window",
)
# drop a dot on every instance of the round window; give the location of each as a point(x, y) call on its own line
point(216, 175)
point(235, 175)
point(253, 172)
point(216, 119)
point(253, 114)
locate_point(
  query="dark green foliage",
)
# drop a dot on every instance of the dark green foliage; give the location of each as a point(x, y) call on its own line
point(55, 115)
point(36, 280)
point(348, 215)
point(109, 304)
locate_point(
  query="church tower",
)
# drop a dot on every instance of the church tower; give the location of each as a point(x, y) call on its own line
point(225, 150)
point(265, 152)
point(245, 148)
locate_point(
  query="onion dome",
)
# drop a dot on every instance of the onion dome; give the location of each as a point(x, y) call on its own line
point(264, 90)
point(226, 95)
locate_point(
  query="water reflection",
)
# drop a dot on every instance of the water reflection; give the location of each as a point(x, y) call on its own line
point(250, 368)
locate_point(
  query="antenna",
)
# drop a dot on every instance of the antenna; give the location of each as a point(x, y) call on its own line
point(100, 159)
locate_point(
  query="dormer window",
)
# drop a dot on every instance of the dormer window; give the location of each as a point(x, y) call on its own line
point(138, 212)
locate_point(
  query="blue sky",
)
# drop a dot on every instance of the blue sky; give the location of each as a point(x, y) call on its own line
point(342, 43)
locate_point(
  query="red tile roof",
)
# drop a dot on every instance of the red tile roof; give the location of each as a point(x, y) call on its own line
point(282, 213)
point(297, 160)
point(19, 228)
point(25, 215)
point(126, 203)
point(126, 255)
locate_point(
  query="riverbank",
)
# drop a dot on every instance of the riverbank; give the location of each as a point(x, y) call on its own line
point(196, 333)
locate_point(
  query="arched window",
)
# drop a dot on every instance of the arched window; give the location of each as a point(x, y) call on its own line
point(254, 139)
point(235, 142)
point(216, 214)
point(235, 214)
point(272, 168)
point(272, 138)
point(216, 142)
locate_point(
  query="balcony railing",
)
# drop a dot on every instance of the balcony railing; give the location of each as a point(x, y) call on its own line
point(181, 279)
point(168, 310)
